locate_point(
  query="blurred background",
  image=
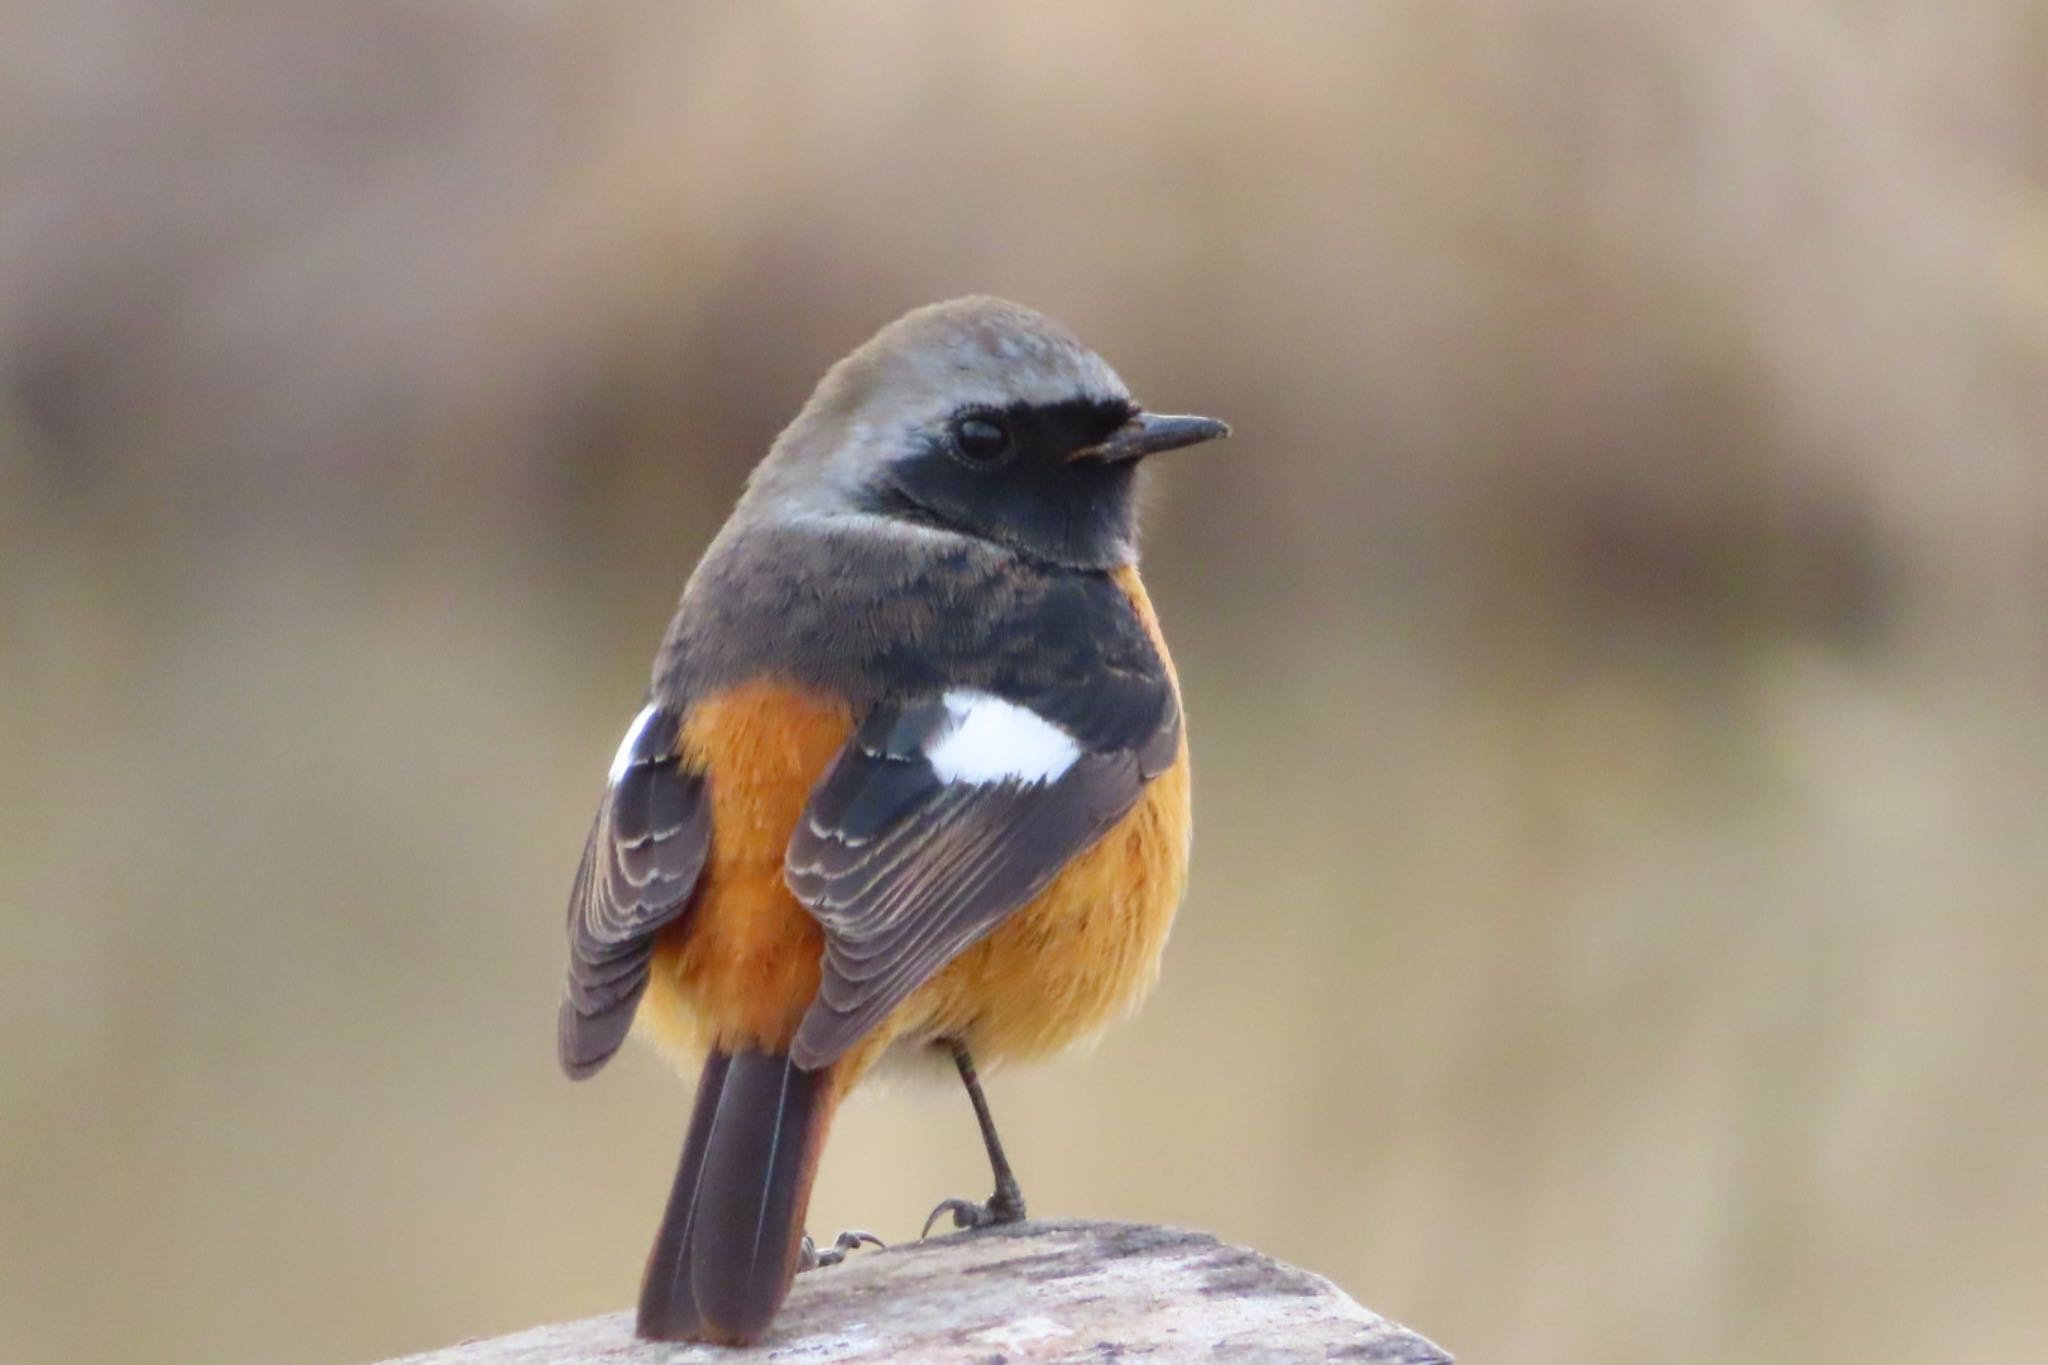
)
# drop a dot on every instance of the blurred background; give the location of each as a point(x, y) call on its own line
point(1616, 642)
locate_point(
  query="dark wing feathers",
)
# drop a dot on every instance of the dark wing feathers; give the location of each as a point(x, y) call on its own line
point(905, 870)
point(1117, 708)
point(640, 865)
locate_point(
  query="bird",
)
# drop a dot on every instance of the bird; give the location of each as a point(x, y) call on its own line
point(910, 780)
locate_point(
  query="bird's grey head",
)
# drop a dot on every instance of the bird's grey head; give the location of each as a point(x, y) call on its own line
point(974, 417)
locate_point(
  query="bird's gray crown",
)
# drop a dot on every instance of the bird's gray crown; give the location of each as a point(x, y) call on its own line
point(910, 378)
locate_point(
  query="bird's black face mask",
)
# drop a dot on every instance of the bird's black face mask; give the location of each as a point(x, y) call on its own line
point(1024, 477)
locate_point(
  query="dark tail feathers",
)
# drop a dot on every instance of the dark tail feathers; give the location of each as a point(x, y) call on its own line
point(729, 1242)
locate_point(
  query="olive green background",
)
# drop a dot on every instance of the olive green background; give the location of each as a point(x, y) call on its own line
point(1616, 641)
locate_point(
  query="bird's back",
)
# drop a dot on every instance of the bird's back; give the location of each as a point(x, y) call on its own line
point(742, 966)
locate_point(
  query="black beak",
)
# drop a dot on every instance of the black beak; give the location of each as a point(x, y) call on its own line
point(1149, 433)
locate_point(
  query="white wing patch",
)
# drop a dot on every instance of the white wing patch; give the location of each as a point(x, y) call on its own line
point(623, 759)
point(992, 740)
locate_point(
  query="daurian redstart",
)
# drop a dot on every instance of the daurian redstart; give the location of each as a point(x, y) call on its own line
point(911, 775)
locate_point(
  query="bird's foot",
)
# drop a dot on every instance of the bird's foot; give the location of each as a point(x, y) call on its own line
point(1004, 1206)
point(810, 1258)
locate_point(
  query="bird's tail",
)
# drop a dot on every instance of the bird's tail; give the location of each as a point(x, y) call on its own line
point(731, 1237)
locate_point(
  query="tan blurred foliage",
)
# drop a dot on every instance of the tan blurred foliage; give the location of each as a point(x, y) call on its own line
point(1615, 641)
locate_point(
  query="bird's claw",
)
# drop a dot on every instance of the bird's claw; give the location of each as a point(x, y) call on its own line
point(810, 1258)
point(1000, 1208)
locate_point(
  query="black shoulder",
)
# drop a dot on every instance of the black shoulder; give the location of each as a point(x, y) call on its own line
point(1074, 650)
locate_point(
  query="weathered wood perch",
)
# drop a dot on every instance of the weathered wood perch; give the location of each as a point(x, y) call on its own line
point(1033, 1292)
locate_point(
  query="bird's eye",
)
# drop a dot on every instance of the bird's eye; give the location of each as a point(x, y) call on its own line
point(981, 438)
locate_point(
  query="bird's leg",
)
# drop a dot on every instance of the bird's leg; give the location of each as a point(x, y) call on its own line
point(1006, 1205)
point(810, 1258)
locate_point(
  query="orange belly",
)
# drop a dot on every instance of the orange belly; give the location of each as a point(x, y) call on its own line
point(742, 966)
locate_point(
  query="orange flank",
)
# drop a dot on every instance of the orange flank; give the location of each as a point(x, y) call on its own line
point(740, 966)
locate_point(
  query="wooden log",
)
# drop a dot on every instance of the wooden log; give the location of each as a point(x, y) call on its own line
point(1077, 1291)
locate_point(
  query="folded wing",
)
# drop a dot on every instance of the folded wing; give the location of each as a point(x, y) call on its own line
point(946, 813)
point(640, 865)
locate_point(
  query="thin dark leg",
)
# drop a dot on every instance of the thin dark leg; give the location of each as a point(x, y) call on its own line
point(1008, 1200)
point(1006, 1205)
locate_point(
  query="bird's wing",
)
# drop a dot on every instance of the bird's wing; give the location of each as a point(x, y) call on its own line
point(640, 865)
point(944, 814)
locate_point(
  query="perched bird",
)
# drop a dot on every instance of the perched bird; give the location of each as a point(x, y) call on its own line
point(911, 776)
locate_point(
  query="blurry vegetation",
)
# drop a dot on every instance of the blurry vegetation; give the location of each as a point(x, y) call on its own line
point(1615, 640)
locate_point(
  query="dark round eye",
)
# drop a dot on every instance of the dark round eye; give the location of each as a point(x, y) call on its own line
point(981, 438)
